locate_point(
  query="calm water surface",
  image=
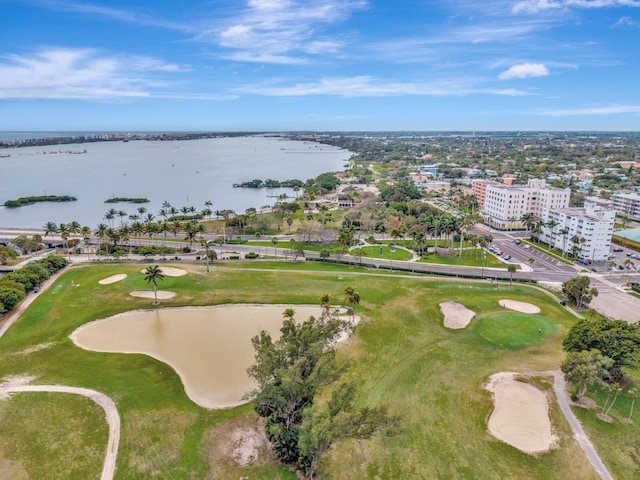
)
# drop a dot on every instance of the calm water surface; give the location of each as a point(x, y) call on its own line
point(209, 347)
point(184, 173)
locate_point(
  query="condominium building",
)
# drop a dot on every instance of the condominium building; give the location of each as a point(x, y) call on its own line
point(504, 205)
point(627, 204)
point(584, 231)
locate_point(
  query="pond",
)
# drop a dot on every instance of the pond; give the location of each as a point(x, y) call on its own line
point(209, 347)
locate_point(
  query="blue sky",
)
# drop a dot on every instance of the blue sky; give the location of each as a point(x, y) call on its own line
point(320, 65)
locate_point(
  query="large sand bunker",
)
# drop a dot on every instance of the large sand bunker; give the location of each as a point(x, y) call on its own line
point(170, 271)
point(456, 315)
point(522, 307)
point(162, 294)
point(113, 279)
point(521, 414)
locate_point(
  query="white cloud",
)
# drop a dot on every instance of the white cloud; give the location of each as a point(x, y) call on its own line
point(58, 73)
point(281, 31)
point(367, 86)
point(534, 6)
point(608, 110)
point(524, 70)
point(626, 21)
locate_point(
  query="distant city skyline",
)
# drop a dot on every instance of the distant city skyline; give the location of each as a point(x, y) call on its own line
point(322, 65)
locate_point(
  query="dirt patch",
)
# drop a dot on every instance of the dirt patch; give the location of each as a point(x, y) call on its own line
point(236, 444)
point(521, 414)
point(171, 271)
point(113, 279)
point(35, 348)
point(162, 294)
point(456, 315)
point(522, 307)
point(12, 469)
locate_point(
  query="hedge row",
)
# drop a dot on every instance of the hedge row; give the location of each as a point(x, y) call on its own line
point(15, 285)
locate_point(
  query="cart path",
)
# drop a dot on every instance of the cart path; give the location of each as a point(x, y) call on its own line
point(111, 412)
point(578, 433)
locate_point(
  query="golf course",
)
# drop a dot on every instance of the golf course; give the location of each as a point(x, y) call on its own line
point(400, 354)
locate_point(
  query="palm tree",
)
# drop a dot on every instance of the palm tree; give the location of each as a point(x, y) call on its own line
point(274, 240)
point(325, 303)
point(628, 264)
point(511, 268)
point(531, 262)
point(152, 275)
point(121, 214)
point(352, 298)
point(289, 313)
point(551, 224)
point(110, 215)
point(612, 266)
point(207, 244)
point(101, 232)
point(564, 232)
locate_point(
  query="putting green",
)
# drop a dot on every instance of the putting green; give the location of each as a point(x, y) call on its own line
point(512, 330)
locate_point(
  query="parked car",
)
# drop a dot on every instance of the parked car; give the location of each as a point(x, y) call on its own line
point(498, 252)
point(507, 257)
point(618, 250)
point(518, 242)
point(527, 246)
point(621, 267)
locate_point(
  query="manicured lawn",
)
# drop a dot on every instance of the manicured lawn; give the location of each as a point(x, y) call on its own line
point(381, 251)
point(400, 355)
point(466, 259)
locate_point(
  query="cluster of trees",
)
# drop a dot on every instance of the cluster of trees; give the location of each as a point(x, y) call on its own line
point(270, 183)
point(598, 351)
point(15, 285)
point(578, 291)
point(290, 372)
point(7, 253)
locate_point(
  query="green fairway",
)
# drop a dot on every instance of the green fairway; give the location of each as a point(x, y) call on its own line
point(400, 355)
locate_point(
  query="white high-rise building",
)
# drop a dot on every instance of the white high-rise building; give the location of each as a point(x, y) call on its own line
point(591, 225)
point(504, 205)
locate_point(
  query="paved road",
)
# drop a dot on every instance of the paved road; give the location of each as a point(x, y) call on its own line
point(110, 410)
point(578, 433)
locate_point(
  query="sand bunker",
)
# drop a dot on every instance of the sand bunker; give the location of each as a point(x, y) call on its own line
point(456, 315)
point(162, 294)
point(522, 307)
point(170, 271)
point(113, 279)
point(521, 414)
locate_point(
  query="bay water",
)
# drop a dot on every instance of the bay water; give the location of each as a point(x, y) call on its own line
point(183, 173)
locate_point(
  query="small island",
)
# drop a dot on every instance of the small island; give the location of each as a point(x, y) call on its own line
point(22, 201)
point(270, 183)
point(127, 200)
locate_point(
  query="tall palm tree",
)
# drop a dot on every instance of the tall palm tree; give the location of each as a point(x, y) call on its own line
point(352, 298)
point(207, 244)
point(551, 224)
point(564, 232)
point(153, 274)
point(110, 215)
point(289, 313)
point(612, 266)
point(121, 214)
point(101, 233)
point(628, 264)
point(511, 268)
